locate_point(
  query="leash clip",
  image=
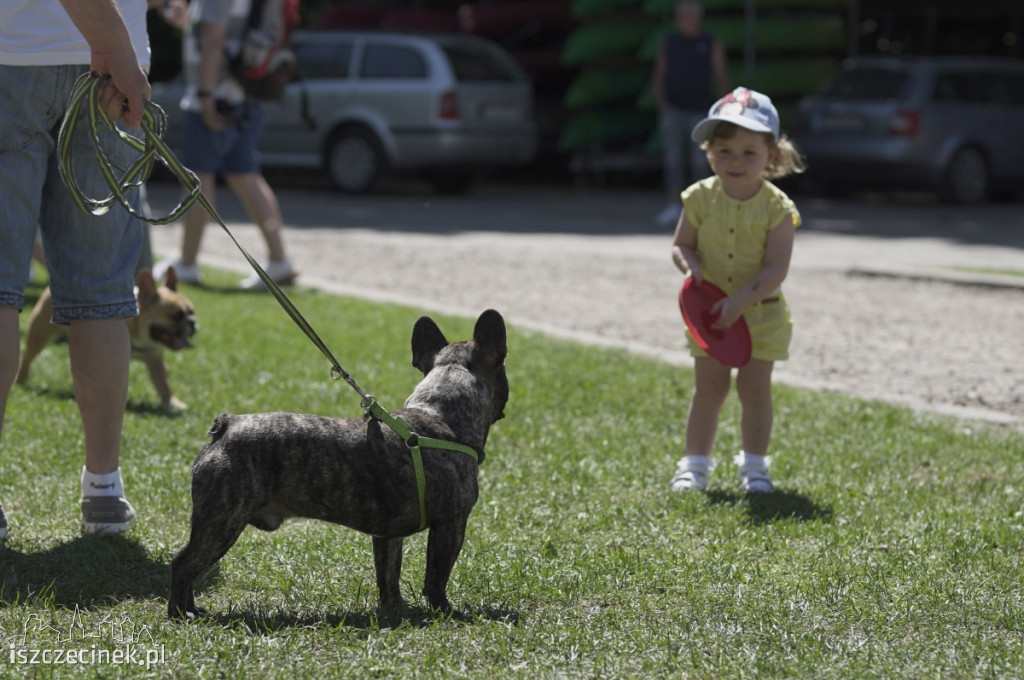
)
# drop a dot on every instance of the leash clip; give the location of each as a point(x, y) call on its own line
point(367, 404)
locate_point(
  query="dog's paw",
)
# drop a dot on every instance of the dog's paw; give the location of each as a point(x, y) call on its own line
point(186, 616)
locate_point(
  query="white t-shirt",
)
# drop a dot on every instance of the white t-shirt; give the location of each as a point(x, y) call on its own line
point(40, 33)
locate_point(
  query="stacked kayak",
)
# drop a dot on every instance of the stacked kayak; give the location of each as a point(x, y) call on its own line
point(601, 98)
point(788, 50)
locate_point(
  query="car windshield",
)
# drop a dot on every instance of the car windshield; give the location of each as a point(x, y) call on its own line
point(476, 62)
point(866, 83)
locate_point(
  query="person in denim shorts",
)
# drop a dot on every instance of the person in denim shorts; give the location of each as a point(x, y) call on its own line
point(44, 48)
point(220, 136)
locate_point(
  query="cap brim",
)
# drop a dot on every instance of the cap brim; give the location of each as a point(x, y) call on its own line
point(702, 131)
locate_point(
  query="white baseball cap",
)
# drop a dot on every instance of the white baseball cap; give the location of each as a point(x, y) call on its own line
point(743, 107)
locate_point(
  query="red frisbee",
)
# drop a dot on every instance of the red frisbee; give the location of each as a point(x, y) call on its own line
point(731, 347)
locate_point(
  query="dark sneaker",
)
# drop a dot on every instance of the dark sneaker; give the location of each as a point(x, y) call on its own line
point(106, 515)
point(3, 524)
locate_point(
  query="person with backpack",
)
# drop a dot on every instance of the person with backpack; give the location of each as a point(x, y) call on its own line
point(222, 127)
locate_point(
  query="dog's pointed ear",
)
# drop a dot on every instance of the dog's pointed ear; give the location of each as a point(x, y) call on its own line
point(427, 341)
point(171, 279)
point(146, 284)
point(489, 336)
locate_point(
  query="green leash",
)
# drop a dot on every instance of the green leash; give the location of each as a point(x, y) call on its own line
point(152, 149)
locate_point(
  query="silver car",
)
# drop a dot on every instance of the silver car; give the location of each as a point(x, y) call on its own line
point(954, 125)
point(445, 106)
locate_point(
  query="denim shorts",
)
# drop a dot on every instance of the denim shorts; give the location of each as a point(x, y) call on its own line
point(231, 151)
point(91, 259)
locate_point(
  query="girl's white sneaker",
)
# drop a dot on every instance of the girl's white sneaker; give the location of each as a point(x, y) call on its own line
point(753, 474)
point(689, 480)
point(691, 473)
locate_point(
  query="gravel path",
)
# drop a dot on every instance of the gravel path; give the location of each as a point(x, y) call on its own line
point(932, 344)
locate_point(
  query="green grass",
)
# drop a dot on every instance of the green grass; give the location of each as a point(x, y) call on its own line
point(893, 547)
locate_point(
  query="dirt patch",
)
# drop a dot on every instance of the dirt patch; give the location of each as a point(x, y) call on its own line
point(927, 343)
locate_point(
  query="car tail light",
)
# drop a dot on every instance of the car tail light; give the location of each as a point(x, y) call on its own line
point(904, 123)
point(449, 106)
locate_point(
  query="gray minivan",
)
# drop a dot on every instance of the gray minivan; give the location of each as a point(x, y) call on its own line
point(445, 106)
point(954, 125)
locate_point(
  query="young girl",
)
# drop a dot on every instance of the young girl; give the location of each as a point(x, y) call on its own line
point(737, 231)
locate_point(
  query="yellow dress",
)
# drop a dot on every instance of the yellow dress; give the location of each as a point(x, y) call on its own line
point(731, 238)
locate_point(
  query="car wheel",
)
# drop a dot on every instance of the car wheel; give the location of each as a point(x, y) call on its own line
point(452, 181)
point(355, 160)
point(966, 178)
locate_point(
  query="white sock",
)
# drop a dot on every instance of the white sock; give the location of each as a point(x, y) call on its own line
point(751, 461)
point(102, 485)
point(698, 463)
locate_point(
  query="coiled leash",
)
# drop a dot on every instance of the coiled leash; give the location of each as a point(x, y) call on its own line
point(153, 148)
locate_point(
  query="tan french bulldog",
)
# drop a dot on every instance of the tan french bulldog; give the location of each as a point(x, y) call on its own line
point(167, 319)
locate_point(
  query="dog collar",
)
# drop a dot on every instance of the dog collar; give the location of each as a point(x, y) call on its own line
point(413, 442)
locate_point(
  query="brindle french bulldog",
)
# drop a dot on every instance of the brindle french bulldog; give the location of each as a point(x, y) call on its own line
point(261, 469)
point(166, 320)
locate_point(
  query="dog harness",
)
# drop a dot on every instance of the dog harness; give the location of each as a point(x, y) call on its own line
point(413, 442)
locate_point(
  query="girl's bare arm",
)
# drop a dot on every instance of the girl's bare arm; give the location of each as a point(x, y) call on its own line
point(684, 249)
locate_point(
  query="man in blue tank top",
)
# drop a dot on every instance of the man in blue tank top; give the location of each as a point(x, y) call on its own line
point(689, 74)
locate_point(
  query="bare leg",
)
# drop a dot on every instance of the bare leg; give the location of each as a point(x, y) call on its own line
point(8, 368)
point(8, 355)
point(261, 204)
point(99, 367)
point(196, 219)
point(713, 382)
point(754, 387)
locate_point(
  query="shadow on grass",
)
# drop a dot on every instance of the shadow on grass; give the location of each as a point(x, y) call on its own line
point(152, 408)
point(136, 406)
point(221, 289)
point(780, 505)
point(258, 623)
point(87, 571)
